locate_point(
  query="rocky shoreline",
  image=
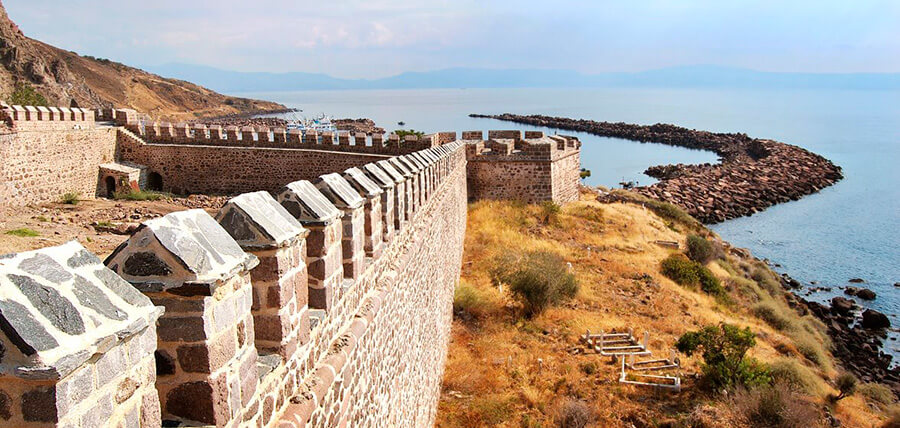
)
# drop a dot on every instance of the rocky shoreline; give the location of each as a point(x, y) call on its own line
point(857, 336)
point(753, 174)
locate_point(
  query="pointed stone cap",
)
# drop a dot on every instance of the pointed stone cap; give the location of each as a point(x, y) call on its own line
point(256, 221)
point(410, 164)
point(362, 183)
point(403, 167)
point(379, 176)
point(388, 167)
point(307, 204)
point(339, 191)
point(424, 162)
point(59, 306)
point(181, 248)
point(432, 154)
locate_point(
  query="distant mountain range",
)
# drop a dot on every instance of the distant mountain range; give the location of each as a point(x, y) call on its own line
point(676, 77)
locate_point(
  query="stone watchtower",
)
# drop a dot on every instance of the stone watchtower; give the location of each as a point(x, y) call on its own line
point(77, 343)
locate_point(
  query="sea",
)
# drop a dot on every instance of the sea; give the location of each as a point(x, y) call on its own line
point(849, 230)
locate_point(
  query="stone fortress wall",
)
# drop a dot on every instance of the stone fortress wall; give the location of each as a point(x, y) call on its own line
point(324, 300)
point(526, 166)
point(48, 152)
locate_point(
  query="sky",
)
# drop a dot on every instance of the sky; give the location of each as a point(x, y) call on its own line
point(378, 38)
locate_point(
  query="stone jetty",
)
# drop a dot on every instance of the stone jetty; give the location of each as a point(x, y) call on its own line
point(753, 174)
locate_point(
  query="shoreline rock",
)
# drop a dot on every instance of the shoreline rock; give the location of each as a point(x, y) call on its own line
point(753, 174)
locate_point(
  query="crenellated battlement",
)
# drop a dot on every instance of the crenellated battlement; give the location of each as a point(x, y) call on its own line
point(40, 118)
point(274, 312)
point(280, 138)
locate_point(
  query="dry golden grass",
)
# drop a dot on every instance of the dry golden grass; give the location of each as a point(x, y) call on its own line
point(506, 371)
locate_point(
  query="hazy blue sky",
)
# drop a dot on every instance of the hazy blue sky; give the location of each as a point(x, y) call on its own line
point(375, 38)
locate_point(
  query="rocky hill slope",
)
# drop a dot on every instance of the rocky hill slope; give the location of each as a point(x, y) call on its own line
point(67, 79)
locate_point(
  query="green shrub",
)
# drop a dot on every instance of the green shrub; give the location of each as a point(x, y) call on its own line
point(678, 268)
point(70, 198)
point(708, 282)
point(877, 393)
point(469, 303)
point(685, 272)
point(772, 315)
point(699, 249)
point(772, 407)
point(724, 348)
point(402, 133)
point(23, 232)
point(27, 96)
point(846, 383)
point(537, 280)
point(790, 373)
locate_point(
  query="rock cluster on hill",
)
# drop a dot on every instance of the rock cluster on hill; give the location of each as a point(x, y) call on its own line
point(754, 174)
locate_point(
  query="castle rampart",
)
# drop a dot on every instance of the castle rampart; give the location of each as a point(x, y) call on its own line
point(314, 304)
point(530, 168)
point(241, 341)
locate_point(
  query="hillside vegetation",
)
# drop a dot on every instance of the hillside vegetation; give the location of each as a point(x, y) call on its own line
point(65, 78)
point(509, 365)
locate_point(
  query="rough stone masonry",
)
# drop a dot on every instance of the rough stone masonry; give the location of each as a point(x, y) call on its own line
point(322, 300)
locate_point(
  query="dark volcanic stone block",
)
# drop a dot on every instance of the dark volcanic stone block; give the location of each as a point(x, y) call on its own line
point(90, 296)
point(145, 264)
point(39, 405)
point(23, 330)
point(61, 313)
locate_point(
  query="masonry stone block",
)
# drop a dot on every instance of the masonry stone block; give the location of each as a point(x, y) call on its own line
point(348, 200)
point(71, 327)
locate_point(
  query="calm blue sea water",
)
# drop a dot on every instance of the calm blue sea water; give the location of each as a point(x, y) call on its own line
point(849, 230)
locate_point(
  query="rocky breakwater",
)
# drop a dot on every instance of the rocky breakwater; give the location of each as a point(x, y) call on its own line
point(753, 174)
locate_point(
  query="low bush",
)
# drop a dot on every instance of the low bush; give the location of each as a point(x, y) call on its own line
point(790, 373)
point(708, 282)
point(769, 312)
point(685, 272)
point(26, 95)
point(469, 303)
point(538, 280)
point(774, 407)
point(877, 393)
point(588, 367)
point(766, 280)
point(846, 383)
point(23, 232)
point(681, 270)
point(70, 198)
point(549, 212)
point(811, 348)
point(724, 348)
point(699, 249)
point(572, 413)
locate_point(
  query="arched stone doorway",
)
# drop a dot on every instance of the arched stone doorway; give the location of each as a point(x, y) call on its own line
point(110, 183)
point(155, 182)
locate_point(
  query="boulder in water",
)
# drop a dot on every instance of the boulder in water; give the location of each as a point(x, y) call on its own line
point(873, 319)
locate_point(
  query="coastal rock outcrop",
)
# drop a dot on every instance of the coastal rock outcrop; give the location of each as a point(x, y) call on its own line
point(753, 174)
point(873, 319)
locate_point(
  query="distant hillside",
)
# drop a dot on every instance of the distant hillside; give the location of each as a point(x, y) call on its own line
point(675, 77)
point(68, 79)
